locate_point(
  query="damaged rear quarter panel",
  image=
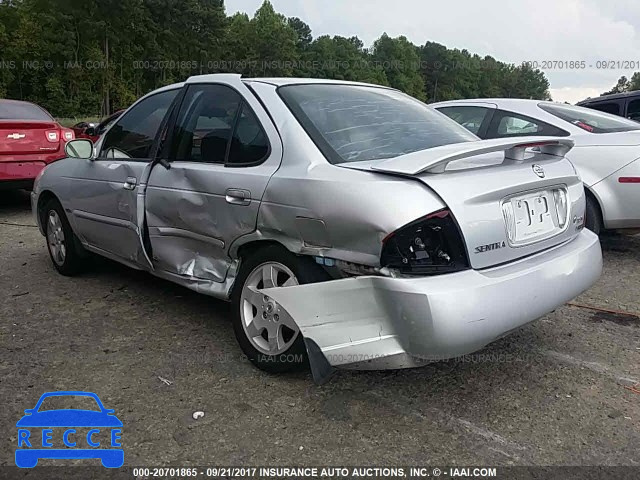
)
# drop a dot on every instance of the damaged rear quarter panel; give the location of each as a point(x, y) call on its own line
point(358, 209)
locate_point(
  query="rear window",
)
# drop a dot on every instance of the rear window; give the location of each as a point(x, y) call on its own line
point(590, 120)
point(352, 123)
point(23, 111)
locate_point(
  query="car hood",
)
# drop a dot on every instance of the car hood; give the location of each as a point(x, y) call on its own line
point(69, 418)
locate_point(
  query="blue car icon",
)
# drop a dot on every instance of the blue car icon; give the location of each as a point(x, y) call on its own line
point(32, 447)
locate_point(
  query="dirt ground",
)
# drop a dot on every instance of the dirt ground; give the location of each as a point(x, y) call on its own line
point(557, 392)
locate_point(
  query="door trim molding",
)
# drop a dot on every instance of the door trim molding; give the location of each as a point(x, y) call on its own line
point(116, 222)
point(180, 233)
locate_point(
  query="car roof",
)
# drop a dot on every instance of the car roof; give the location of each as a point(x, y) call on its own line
point(276, 81)
point(280, 81)
point(501, 102)
point(611, 96)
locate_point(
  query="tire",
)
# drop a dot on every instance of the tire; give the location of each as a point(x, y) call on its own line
point(254, 319)
point(594, 217)
point(65, 249)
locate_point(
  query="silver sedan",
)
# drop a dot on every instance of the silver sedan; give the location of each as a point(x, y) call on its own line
point(606, 153)
point(349, 224)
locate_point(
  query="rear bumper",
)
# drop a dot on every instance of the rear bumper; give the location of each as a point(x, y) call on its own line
point(389, 323)
point(20, 171)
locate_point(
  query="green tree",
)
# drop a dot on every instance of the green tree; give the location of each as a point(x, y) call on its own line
point(623, 85)
point(343, 59)
point(274, 41)
point(303, 32)
point(90, 57)
point(401, 64)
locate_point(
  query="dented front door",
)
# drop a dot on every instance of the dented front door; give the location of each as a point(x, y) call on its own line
point(222, 152)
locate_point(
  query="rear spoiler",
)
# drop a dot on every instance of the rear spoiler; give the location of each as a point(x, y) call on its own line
point(435, 160)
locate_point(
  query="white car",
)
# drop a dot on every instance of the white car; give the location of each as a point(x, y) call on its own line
point(606, 152)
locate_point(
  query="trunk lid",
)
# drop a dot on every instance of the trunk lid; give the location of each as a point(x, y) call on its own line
point(509, 201)
point(19, 137)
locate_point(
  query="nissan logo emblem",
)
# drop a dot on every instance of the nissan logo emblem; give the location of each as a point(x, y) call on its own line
point(538, 170)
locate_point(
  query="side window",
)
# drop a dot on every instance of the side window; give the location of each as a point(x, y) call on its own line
point(517, 126)
point(215, 125)
point(612, 108)
point(205, 123)
point(470, 118)
point(509, 124)
point(633, 111)
point(133, 135)
point(249, 144)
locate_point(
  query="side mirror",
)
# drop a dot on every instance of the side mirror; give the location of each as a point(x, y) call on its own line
point(28, 411)
point(91, 130)
point(80, 148)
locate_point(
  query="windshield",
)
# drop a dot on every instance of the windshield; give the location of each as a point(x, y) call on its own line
point(590, 120)
point(22, 111)
point(66, 402)
point(352, 123)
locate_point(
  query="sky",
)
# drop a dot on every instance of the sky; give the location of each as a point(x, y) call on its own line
point(593, 31)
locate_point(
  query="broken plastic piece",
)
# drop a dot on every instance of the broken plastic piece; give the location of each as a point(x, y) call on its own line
point(321, 369)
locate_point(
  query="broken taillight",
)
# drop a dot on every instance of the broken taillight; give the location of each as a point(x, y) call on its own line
point(429, 246)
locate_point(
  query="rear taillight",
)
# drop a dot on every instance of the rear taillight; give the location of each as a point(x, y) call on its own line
point(429, 246)
point(68, 135)
point(52, 135)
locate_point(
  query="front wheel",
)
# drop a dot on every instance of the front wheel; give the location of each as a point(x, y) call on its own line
point(267, 335)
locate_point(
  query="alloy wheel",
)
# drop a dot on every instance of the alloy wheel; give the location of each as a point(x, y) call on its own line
point(269, 329)
point(55, 238)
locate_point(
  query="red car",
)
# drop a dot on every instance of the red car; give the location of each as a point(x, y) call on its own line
point(29, 140)
point(94, 132)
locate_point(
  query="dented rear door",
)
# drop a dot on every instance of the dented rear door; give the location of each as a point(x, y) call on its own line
point(222, 152)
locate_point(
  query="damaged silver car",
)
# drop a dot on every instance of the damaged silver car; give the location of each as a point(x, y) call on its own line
point(347, 223)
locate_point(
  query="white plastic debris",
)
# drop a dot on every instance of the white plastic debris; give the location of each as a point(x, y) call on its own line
point(165, 381)
point(197, 415)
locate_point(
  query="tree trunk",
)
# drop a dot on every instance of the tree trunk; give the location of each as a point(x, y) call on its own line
point(107, 101)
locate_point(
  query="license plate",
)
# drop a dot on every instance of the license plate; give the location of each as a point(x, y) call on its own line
point(530, 217)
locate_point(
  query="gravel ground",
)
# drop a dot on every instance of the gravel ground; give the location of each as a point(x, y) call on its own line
point(551, 394)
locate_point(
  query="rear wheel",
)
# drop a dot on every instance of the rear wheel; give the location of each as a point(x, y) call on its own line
point(594, 217)
point(64, 248)
point(267, 335)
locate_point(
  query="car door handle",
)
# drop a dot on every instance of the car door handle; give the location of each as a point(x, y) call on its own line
point(236, 196)
point(130, 183)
